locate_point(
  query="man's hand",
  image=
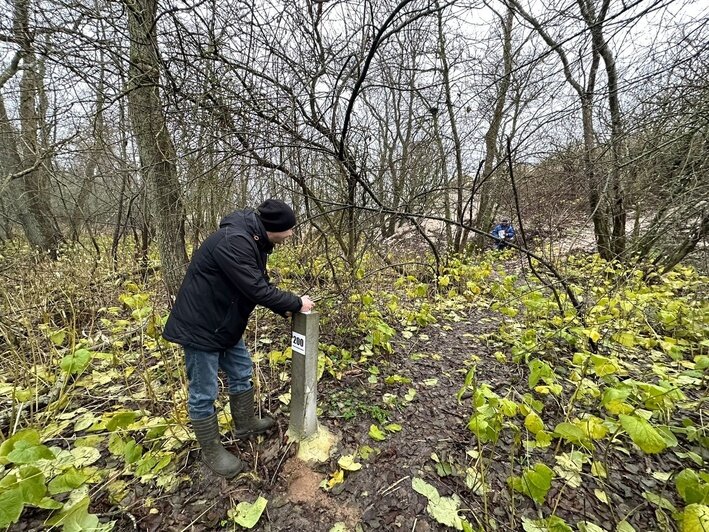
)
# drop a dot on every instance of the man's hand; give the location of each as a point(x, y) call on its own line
point(307, 304)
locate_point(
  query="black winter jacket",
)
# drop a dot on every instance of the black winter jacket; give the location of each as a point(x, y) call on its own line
point(226, 279)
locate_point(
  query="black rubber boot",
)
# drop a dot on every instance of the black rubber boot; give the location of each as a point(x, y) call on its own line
point(242, 414)
point(214, 455)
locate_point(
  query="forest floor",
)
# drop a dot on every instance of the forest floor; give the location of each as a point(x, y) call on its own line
point(380, 495)
point(403, 412)
point(434, 444)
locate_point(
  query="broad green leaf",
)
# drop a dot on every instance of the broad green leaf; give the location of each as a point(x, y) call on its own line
point(75, 517)
point(132, 451)
point(593, 334)
point(31, 484)
point(11, 505)
point(692, 488)
point(588, 526)
point(604, 366)
point(614, 401)
point(667, 435)
point(365, 452)
point(598, 470)
point(550, 524)
point(376, 433)
point(121, 420)
point(84, 456)
point(392, 427)
point(445, 511)
point(247, 514)
point(479, 425)
point(116, 444)
point(22, 395)
point(554, 388)
point(509, 408)
point(76, 362)
point(572, 434)
point(71, 479)
point(543, 438)
point(694, 518)
point(47, 503)
point(593, 427)
point(152, 463)
point(643, 434)
point(424, 488)
point(390, 399)
point(659, 501)
point(442, 509)
point(536, 525)
point(117, 490)
point(624, 526)
point(397, 379)
point(534, 482)
point(601, 496)
point(475, 481)
point(29, 436)
point(25, 452)
point(57, 337)
point(569, 466)
point(277, 357)
point(444, 469)
point(533, 423)
point(539, 370)
point(84, 421)
point(532, 403)
point(348, 463)
point(142, 313)
point(626, 339)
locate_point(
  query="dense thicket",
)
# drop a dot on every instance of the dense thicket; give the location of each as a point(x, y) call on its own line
point(149, 119)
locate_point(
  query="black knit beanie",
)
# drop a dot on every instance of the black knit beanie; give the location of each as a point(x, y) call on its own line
point(276, 215)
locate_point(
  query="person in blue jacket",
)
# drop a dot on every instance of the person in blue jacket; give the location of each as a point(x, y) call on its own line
point(225, 280)
point(502, 233)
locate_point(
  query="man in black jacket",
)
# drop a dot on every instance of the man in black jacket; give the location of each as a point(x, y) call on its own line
point(226, 279)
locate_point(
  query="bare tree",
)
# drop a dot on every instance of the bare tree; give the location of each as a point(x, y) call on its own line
point(598, 198)
point(157, 153)
point(26, 154)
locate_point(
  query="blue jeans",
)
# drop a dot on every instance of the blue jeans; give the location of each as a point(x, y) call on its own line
point(202, 367)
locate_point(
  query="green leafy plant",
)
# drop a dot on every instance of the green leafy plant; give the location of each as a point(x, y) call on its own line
point(535, 482)
point(247, 514)
point(443, 509)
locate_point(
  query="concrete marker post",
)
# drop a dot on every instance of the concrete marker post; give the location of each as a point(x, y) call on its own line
point(304, 343)
point(315, 443)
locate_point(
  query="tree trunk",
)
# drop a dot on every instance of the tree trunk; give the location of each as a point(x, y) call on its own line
point(487, 207)
point(79, 214)
point(457, 148)
point(22, 153)
point(597, 205)
point(155, 147)
point(616, 198)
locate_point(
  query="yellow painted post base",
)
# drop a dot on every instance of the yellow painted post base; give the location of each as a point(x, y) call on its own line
point(316, 448)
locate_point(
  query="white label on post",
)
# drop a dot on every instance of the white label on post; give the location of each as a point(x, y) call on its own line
point(298, 343)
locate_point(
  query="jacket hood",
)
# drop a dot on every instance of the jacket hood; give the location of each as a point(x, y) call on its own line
point(248, 221)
